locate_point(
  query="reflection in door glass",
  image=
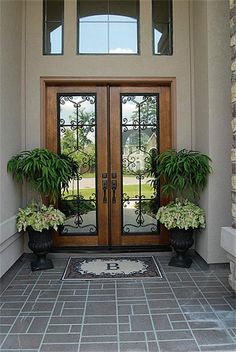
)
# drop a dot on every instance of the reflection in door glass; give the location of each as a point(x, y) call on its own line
point(77, 122)
point(140, 136)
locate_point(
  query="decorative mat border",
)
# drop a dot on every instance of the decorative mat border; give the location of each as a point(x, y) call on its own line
point(156, 268)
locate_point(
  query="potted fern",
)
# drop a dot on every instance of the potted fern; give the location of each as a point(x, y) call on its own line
point(183, 176)
point(45, 172)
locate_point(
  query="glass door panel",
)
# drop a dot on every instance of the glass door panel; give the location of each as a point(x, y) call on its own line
point(140, 137)
point(77, 124)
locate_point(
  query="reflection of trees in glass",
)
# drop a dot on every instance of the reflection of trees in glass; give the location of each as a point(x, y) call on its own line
point(147, 109)
point(77, 139)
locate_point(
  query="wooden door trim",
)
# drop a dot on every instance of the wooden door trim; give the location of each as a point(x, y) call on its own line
point(46, 82)
point(68, 85)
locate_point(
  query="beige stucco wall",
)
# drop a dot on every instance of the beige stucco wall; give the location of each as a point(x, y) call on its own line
point(11, 243)
point(71, 64)
point(212, 132)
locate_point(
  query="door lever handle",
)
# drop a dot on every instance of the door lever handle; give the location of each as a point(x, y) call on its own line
point(113, 187)
point(104, 187)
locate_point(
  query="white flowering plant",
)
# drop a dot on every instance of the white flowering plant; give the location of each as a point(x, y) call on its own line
point(39, 218)
point(182, 215)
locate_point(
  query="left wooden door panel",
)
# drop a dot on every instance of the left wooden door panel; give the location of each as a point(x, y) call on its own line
point(76, 125)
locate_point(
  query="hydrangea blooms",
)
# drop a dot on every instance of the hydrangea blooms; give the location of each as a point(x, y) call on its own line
point(39, 218)
point(182, 215)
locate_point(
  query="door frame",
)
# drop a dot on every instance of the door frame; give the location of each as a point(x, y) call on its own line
point(46, 82)
point(51, 83)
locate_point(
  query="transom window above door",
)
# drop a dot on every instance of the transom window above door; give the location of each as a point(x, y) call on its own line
point(108, 26)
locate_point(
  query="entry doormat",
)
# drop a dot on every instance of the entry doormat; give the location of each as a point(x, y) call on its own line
point(89, 268)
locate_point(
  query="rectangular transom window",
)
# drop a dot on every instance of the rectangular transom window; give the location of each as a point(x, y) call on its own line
point(53, 23)
point(108, 26)
point(162, 27)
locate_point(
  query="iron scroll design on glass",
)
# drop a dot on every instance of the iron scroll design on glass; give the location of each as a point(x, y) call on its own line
point(140, 146)
point(77, 126)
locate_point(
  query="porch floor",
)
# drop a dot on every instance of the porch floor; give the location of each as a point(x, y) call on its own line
point(188, 310)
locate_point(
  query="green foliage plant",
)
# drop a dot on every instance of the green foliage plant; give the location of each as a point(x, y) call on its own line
point(184, 173)
point(39, 218)
point(182, 215)
point(45, 171)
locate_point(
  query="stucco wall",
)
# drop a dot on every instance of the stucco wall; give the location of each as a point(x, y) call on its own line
point(71, 64)
point(212, 133)
point(11, 243)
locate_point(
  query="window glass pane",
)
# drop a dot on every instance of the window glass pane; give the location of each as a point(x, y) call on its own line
point(123, 38)
point(108, 26)
point(161, 11)
point(53, 38)
point(162, 26)
point(93, 10)
point(53, 17)
point(162, 39)
point(54, 10)
point(123, 10)
point(93, 37)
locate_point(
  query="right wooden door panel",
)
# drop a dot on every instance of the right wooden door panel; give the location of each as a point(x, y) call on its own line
point(140, 128)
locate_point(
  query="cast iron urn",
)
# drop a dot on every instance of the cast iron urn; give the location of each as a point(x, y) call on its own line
point(40, 243)
point(181, 240)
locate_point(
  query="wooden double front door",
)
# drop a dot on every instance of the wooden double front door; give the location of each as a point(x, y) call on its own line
point(114, 133)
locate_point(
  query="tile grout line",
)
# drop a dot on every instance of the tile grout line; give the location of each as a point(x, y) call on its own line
point(130, 329)
point(117, 318)
point(220, 321)
point(170, 322)
point(62, 307)
point(50, 316)
point(146, 340)
point(230, 292)
point(184, 315)
point(83, 318)
point(149, 311)
point(20, 311)
point(17, 273)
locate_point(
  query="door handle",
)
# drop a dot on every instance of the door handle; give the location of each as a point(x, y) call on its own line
point(104, 187)
point(113, 187)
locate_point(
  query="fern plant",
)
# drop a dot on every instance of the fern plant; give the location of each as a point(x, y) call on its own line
point(184, 173)
point(44, 170)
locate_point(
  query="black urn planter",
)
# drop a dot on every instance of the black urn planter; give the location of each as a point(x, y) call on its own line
point(40, 243)
point(181, 240)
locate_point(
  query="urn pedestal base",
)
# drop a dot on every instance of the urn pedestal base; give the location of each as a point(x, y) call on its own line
point(181, 240)
point(40, 243)
point(180, 261)
point(41, 263)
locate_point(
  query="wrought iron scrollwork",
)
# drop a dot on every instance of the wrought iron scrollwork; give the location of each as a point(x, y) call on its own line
point(140, 136)
point(77, 124)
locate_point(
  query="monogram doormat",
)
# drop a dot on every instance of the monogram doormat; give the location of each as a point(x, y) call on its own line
point(89, 268)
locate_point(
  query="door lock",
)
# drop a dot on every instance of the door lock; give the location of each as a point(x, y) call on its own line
point(104, 187)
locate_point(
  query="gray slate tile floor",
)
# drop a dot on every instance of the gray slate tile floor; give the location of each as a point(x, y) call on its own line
point(188, 310)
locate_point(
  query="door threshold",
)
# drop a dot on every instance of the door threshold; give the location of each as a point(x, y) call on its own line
point(117, 249)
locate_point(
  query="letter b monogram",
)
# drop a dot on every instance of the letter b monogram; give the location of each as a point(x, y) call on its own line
point(112, 266)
